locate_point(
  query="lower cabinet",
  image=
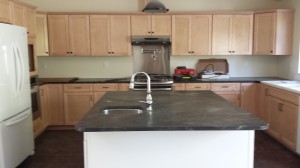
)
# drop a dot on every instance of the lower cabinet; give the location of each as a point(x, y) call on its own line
point(229, 91)
point(100, 89)
point(54, 105)
point(248, 96)
point(78, 100)
point(282, 116)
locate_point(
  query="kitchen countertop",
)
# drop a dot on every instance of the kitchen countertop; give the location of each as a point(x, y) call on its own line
point(127, 79)
point(201, 110)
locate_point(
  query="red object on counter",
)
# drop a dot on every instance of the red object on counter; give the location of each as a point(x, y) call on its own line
point(186, 72)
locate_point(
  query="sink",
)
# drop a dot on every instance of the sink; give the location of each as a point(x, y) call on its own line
point(122, 109)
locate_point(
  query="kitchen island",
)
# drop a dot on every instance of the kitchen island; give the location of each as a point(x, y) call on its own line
point(182, 129)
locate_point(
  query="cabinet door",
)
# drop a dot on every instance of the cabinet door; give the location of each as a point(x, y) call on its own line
point(201, 34)
point(221, 34)
point(264, 33)
point(141, 25)
point(181, 35)
point(5, 11)
point(289, 124)
point(242, 34)
point(161, 25)
point(248, 96)
point(18, 18)
point(76, 105)
point(42, 48)
point(120, 35)
point(100, 30)
point(58, 35)
point(231, 97)
point(43, 90)
point(29, 21)
point(262, 103)
point(98, 96)
point(275, 109)
point(79, 32)
point(55, 105)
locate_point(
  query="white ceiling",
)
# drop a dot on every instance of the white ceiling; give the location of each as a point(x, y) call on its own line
point(136, 5)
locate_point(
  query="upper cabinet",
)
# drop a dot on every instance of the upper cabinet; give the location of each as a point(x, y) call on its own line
point(110, 35)
point(191, 34)
point(42, 48)
point(232, 34)
point(273, 33)
point(24, 15)
point(5, 11)
point(156, 25)
point(69, 35)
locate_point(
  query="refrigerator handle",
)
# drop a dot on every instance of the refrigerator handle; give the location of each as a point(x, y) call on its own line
point(16, 68)
point(22, 70)
point(18, 118)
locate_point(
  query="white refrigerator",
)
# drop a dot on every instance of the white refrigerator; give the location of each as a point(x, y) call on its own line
point(16, 133)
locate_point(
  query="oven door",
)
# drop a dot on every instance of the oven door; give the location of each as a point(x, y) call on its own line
point(35, 102)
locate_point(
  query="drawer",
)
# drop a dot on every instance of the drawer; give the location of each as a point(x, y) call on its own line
point(225, 87)
point(178, 86)
point(123, 86)
point(197, 86)
point(78, 87)
point(106, 87)
point(283, 95)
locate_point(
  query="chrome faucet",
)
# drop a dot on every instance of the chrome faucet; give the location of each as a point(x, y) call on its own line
point(149, 100)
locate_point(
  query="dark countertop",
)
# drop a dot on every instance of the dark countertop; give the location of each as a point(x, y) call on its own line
point(127, 80)
point(201, 110)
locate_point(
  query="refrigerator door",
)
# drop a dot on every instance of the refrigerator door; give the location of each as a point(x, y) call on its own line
point(16, 139)
point(14, 71)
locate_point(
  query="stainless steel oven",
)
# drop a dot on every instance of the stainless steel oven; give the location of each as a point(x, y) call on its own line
point(35, 99)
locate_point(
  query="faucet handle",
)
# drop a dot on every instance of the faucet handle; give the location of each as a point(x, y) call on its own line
point(131, 85)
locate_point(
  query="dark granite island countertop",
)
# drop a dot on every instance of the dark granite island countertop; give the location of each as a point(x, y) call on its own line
point(171, 111)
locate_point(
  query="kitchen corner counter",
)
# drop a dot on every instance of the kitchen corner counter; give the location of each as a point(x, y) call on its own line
point(172, 111)
point(232, 80)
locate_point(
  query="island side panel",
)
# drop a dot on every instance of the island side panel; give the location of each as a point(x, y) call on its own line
point(176, 149)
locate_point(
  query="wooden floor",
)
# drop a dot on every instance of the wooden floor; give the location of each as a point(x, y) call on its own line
point(63, 149)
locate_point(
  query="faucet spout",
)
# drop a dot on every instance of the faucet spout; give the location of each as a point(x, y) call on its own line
point(149, 99)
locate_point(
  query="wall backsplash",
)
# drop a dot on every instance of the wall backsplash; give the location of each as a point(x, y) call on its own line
point(114, 67)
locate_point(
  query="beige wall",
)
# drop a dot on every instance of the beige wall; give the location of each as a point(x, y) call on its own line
point(122, 66)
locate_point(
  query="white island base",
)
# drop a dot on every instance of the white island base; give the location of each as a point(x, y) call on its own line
point(169, 149)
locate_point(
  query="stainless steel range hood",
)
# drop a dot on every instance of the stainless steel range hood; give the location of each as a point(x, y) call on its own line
point(154, 6)
point(150, 40)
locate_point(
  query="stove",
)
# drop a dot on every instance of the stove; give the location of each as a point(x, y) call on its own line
point(158, 82)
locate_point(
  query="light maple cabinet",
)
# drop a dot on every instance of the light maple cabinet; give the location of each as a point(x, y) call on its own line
point(178, 86)
point(24, 15)
point(229, 91)
point(100, 89)
point(157, 25)
point(261, 102)
point(248, 96)
point(54, 104)
point(232, 34)
point(78, 100)
point(123, 87)
point(273, 32)
point(197, 86)
point(5, 11)
point(283, 116)
point(191, 34)
point(42, 48)
point(69, 35)
point(110, 35)
point(41, 123)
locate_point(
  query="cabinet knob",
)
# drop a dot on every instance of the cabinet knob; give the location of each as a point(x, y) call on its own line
point(152, 32)
point(149, 32)
point(68, 52)
point(108, 52)
point(271, 51)
point(193, 52)
point(112, 52)
point(71, 52)
point(47, 52)
point(232, 51)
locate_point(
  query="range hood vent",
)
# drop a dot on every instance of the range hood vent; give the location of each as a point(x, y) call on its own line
point(154, 6)
point(151, 40)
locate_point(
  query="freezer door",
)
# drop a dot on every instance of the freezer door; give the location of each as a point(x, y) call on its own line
point(16, 139)
point(14, 71)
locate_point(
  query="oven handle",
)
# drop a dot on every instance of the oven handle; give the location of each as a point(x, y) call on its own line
point(168, 89)
point(18, 118)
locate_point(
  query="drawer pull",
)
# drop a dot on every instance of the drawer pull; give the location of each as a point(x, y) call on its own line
point(198, 87)
point(225, 86)
point(77, 87)
point(105, 87)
